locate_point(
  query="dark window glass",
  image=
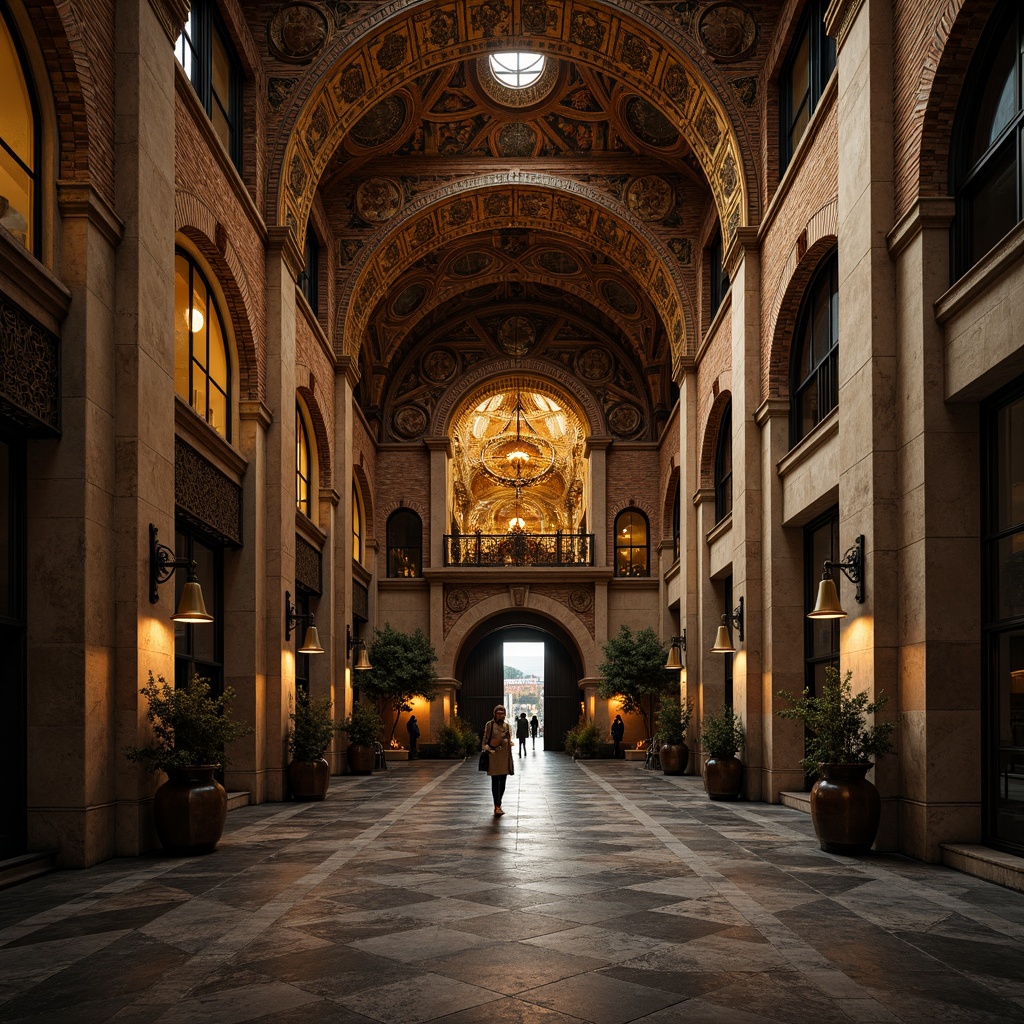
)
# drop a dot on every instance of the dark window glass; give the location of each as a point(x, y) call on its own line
point(808, 67)
point(814, 381)
point(675, 524)
point(723, 466)
point(985, 162)
point(405, 543)
point(205, 52)
point(632, 544)
point(309, 278)
point(728, 660)
point(303, 464)
point(719, 278)
point(302, 608)
point(199, 649)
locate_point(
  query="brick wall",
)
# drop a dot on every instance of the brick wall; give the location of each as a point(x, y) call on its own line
point(404, 480)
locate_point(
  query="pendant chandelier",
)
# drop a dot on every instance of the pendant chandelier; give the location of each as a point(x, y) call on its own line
point(518, 456)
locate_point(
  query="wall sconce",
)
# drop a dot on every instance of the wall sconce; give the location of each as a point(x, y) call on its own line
point(852, 566)
point(362, 661)
point(311, 642)
point(723, 642)
point(162, 566)
point(678, 646)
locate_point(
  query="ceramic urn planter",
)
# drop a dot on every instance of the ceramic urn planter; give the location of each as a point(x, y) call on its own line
point(845, 809)
point(674, 757)
point(360, 758)
point(723, 777)
point(190, 809)
point(309, 780)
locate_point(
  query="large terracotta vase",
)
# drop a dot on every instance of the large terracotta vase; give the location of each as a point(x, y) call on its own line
point(309, 779)
point(845, 809)
point(190, 809)
point(674, 758)
point(360, 758)
point(723, 777)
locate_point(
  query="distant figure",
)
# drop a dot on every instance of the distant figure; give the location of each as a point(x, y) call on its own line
point(498, 744)
point(618, 731)
point(534, 726)
point(414, 734)
point(522, 731)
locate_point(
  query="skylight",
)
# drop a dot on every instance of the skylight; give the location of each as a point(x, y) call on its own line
point(517, 70)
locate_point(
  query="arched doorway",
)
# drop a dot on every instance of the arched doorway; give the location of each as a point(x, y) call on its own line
point(481, 669)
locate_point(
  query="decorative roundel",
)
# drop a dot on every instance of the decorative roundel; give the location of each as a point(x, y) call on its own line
point(410, 421)
point(581, 600)
point(650, 197)
point(409, 300)
point(381, 123)
point(296, 32)
point(619, 298)
point(594, 364)
point(727, 31)
point(457, 600)
point(517, 139)
point(439, 365)
point(649, 124)
point(378, 199)
point(517, 335)
point(625, 419)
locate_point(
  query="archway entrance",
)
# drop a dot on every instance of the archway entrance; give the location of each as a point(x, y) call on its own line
point(481, 667)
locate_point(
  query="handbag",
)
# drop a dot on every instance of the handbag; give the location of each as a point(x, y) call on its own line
point(485, 758)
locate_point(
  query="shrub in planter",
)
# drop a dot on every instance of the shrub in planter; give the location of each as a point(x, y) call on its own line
point(458, 739)
point(313, 728)
point(672, 721)
point(721, 736)
point(583, 740)
point(363, 727)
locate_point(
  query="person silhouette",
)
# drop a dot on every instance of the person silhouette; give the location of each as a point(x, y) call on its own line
point(413, 728)
point(618, 731)
point(534, 726)
point(522, 731)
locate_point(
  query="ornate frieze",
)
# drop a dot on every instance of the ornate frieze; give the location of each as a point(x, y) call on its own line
point(29, 374)
point(207, 497)
point(308, 565)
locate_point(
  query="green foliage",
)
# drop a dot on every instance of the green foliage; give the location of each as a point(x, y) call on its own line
point(403, 668)
point(313, 727)
point(721, 735)
point(458, 739)
point(511, 672)
point(190, 726)
point(672, 720)
point(634, 672)
point(583, 740)
point(837, 721)
point(363, 726)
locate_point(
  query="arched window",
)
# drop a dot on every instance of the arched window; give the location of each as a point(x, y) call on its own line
point(202, 370)
point(723, 466)
point(19, 142)
point(405, 543)
point(632, 544)
point(986, 156)
point(357, 526)
point(309, 279)
point(814, 380)
point(303, 466)
point(675, 523)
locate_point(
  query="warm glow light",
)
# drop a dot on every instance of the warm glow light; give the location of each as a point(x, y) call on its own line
point(194, 319)
point(517, 523)
point(518, 456)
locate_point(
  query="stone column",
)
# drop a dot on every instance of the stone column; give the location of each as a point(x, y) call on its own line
point(867, 359)
point(689, 563)
point(709, 689)
point(325, 680)
point(346, 378)
point(598, 513)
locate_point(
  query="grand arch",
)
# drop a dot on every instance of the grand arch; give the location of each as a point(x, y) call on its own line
point(420, 38)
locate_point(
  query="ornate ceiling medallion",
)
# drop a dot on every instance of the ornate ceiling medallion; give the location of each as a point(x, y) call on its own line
point(727, 31)
point(296, 32)
point(524, 96)
point(517, 335)
point(650, 197)
point(378, 199)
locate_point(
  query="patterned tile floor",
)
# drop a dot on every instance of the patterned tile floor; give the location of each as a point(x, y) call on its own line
point(606, 894)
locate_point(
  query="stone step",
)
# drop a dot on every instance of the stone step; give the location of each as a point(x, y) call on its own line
point(238, 799)
point(26, 866)
point(798, 800)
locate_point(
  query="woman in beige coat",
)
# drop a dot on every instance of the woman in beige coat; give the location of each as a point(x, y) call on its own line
point(498, 744)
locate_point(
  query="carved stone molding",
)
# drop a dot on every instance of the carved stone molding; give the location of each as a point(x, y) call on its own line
point(839, 19)
point(308, 565)
point(29, 374)
point(207, 497)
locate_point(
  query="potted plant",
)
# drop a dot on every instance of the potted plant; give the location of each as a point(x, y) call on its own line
point(633, 672)
point(583, 741)
point(363, 727)
point(403, 669)
point(720, 737)
point(673, 720)
point(190, 729)
point(313, 728)
point(845, 806)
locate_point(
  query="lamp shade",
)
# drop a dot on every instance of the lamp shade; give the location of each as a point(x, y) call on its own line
point(673, 664)
point(827, 606)
point(723, 644)
point(311, 642)
point(191, 607)
point(362, 661)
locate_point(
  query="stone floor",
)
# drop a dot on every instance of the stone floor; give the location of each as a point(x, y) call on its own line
point(606, 893)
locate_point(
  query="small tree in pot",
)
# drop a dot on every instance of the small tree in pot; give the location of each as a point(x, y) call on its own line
point(673, 719)
point(634, 672)
point(190, 729)
point(845, 807)
point(720, 737)
point(403, 668)
point(363, 727)
point(313, 728)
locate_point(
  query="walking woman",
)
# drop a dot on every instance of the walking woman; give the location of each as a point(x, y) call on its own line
point(498, 744)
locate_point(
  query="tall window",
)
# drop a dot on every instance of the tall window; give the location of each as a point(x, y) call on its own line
point(205, 52)
point(309, 278)
point(814, 380)
point(405, 543)
point(808, 67)
point(723, 466)
point(303, 471)
point(1002, 616)
point(202, 370)
point(357, 526)
point(19, 141)
point(632, 544)
point(986, 164)
point(199, 650)
point(719, 278)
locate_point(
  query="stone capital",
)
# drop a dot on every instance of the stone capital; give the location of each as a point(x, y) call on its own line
point(80, 199)
point(348, 366)
point(839, 18)
point(281, 241)
point(172, 15)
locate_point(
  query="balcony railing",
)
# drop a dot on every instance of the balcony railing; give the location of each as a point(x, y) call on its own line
point(518, 549)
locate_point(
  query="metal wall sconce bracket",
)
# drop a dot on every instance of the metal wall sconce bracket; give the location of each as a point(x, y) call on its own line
point(163, 564)
point(852, 567)
point(311, 643)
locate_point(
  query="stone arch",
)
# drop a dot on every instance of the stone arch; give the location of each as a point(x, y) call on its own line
point(198, 223)
point(550, 372)
point(495, 605)
point(373, 64)
point(393, 506)
point(515, 199)
point(671, 489)
point(790, 295)
point(709, 442)
point(323, 445)
point(366, 493)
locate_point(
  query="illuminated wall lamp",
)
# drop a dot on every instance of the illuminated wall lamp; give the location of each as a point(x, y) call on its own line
point(311, 641)
point(162, 566)
point(362, 661)
point(723, 642)
point(677, 647)
point(852, 566)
